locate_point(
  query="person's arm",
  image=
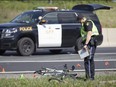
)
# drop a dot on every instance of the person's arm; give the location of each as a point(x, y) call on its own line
point(88, 27)
point(89, 34)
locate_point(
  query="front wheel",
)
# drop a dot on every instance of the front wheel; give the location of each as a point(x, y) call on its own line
point(2, 52)
point(55, 79)
point(79, 44)
point(25, 46)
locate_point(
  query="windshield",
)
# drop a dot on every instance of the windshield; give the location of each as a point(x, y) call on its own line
point(27, 17)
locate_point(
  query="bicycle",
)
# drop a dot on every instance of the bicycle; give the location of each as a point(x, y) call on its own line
point(58, 75)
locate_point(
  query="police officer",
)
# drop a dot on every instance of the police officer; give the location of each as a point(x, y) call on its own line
point(88, 33)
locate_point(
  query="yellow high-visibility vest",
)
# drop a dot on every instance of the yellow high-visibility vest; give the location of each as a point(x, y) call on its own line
point(94, 30)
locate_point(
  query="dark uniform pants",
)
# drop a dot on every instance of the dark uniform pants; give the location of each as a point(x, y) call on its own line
point(89, 63)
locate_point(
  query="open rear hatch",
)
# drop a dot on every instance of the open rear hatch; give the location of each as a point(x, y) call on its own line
point(91, 7)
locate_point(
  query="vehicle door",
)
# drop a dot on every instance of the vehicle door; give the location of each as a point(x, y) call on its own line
point(70, 28)
point(50, 33)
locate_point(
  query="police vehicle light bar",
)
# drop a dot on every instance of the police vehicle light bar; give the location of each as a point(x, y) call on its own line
point(47, 8)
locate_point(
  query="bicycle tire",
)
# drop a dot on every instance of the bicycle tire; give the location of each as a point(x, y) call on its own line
point(55, 79)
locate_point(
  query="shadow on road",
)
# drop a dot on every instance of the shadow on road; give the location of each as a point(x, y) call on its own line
point(40, 52)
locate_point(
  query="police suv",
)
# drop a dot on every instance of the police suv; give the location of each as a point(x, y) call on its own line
point(47, 27)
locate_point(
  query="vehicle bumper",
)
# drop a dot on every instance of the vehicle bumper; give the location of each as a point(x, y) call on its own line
point(7, 44)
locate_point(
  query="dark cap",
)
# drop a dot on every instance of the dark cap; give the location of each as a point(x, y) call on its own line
point(80, 16)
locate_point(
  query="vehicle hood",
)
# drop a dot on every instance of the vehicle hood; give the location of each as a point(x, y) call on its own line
point(12, 25)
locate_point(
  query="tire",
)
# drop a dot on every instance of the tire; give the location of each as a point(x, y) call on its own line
point(55, 51)
point(55, 79)
point(79, 44)
point(25, 47)
point(2, 52)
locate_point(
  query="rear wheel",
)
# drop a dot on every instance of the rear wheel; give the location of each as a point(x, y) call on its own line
point(55, 51)
point(2, 52)
point(26, 46)
point(55, 80)
point(79, 44)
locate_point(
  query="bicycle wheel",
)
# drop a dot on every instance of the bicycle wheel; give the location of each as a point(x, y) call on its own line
point(55, 79)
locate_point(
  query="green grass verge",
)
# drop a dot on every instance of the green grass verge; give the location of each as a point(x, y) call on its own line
point(43, 82)
point(10, 9)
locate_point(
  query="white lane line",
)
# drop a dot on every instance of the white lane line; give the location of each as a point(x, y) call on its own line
point(31, 72)
point(95, 53)
point(78, 60)
point(105, 53)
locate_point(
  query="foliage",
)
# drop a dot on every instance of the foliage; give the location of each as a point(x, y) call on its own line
point(101, 81)
point(56, 0)
point(9, 8)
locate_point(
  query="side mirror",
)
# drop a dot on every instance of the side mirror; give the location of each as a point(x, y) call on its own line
point(42, 21)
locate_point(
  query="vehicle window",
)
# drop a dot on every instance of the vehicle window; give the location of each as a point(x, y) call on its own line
point(27, 17)
point(67, 17)
point(51, 18)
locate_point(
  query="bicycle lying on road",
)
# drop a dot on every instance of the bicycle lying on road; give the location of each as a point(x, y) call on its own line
point(58, 75)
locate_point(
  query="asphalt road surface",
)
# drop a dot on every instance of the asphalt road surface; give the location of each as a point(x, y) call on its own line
point(105, 58)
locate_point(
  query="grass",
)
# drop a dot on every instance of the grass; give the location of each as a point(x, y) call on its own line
point(107, 17)
point(8, 9)
point(43, 82)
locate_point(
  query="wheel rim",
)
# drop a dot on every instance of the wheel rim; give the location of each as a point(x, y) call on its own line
point(27, 46)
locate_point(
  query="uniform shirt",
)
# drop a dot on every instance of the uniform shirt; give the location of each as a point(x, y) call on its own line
point(88, 26)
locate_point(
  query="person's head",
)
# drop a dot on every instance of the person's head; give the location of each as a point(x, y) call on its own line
point(81, 18)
